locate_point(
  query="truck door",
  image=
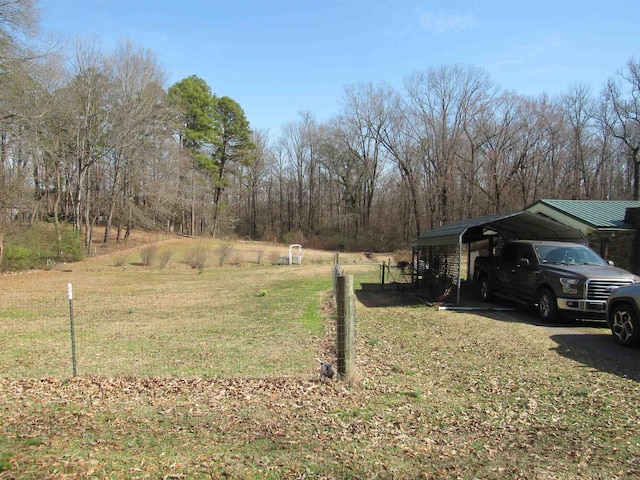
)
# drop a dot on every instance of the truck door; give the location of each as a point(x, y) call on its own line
point(504, 269)
point(524, 273)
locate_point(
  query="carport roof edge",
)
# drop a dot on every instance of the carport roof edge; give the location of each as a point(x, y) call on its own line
point(521, 225)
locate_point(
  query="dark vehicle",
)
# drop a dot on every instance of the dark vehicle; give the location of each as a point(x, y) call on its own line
point(623, 312)
point(559, 278)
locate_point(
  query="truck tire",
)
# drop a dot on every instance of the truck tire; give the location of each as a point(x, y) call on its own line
point(547, 306)
point(486, 294)
point(625, 326)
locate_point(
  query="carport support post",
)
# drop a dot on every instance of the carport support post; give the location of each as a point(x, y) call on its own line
point(345, 301)
point(459, 269)
point(413, 266)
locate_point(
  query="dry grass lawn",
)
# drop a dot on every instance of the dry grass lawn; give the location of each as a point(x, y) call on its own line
point(189, 373)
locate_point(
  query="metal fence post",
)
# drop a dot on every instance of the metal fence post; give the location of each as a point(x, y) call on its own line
point(73, 332)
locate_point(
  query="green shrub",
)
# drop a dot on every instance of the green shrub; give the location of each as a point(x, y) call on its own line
point(71, 248)
point(17, 257)
point(38, 245)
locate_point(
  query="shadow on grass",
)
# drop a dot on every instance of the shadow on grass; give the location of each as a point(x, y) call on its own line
point(600, 352)
point(588, 342)
point(374, 295)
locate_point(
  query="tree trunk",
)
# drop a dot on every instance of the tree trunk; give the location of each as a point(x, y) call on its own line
point(636, 172)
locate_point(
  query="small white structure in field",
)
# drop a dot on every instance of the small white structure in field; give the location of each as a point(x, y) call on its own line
point(295, 259)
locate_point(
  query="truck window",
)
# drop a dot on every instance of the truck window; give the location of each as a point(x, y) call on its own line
point(510, 252)
point(556, 255)
point(526, 252)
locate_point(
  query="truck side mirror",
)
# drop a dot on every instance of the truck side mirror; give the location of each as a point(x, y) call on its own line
point(524, 262)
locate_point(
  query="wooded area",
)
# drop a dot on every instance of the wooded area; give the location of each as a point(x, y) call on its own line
point(93, 138)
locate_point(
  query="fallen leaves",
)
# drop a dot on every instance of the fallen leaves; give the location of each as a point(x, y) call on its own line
point(433, 403)
point(106, 415)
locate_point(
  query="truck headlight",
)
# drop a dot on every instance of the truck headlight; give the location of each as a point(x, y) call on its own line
point(569, 285)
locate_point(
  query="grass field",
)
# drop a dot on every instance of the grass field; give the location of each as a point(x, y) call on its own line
point(211, 373)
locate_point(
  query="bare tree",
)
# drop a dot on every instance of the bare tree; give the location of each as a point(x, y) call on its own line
point(86, 96)
point(18, 21)
point(440, 103)
point(363, 119)
point(612, 182)
point(530, 156)
point(297, 144)
point(97, 138)
point(344, 178)
point(18, 18)
point(579, 110)
point(402, 149)
point(622, 116)
point(502, 154)
point(136, 98)
point(253, 181)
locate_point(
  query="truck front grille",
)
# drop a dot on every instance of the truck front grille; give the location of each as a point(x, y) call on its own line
point(601, 289)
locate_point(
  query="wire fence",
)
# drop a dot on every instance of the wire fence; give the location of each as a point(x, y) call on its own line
point(253, 322)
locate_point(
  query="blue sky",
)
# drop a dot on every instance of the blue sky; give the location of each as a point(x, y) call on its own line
point(280, 57)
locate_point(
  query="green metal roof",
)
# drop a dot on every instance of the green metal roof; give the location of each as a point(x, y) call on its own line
point(516, 225)
point(599, 214)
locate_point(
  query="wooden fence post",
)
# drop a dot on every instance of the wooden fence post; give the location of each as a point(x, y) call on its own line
point(336, 272)
point(345, 301)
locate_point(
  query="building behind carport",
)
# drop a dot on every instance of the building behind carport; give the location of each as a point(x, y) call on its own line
point(610, 226)
point(439, 259)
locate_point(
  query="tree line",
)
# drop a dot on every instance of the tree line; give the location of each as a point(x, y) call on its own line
point(89, 138)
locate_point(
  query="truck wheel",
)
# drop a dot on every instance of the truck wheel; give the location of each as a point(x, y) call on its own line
point(624, 325)
point(547, 306)
point(486, 295)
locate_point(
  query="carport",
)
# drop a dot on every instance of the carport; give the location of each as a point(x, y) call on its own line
point(438, 254)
